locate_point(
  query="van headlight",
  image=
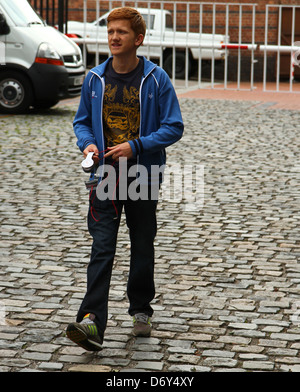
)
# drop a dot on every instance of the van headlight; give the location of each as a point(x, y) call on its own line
point(46, 54)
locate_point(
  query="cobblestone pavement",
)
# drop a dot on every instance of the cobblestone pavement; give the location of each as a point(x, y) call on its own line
point(227, 274)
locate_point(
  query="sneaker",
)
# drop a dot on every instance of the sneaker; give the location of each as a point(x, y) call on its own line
point(141, 325)
point(85, 333)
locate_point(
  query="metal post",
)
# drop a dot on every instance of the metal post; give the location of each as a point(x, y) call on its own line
point(292, 44)
point(212, 76)
point(265, 51)
point(161, 57)
point(61, 15)
point(47, 11)
point(66, 15)
point(97, 33)
point(84, 31)
point(41, 9)
point(186, 49)
point(226, 50)
point(252, 51)
point(200, 51)
point(53, 12)
point(278, 51)
point(239, 50)
point(149, 35)
point(173, 48)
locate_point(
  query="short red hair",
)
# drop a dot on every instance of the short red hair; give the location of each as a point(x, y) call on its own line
point(136, 20)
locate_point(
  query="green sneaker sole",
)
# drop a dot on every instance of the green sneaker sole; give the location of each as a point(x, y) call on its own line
point(79, 337)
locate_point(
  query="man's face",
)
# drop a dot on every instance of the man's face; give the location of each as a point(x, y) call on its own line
point(122, 40)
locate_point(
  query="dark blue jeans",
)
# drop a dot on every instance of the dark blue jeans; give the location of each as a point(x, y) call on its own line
point(103, 224)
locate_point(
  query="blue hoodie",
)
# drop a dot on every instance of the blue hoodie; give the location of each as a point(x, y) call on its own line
point(160, 118)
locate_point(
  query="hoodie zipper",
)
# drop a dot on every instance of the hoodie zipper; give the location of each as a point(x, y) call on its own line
point(140, 99)
point(101, 119)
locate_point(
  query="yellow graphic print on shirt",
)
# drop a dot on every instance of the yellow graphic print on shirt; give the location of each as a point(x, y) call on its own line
point(121, 116)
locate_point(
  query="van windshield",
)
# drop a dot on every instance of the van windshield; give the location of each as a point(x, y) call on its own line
point(21, 13)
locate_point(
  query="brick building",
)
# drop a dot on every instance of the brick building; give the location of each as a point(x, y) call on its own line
point(215, 13)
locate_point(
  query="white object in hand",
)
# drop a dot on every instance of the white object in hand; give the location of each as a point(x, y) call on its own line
point(88, 163)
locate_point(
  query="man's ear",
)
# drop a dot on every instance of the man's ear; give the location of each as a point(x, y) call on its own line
point(139, 40)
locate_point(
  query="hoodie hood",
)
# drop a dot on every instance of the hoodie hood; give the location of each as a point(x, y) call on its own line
point(149, 66)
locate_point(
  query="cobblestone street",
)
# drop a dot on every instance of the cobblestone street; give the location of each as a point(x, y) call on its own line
point(227, 274)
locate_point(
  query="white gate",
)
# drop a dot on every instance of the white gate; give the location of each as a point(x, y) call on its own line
point(200, 44)
point(292, 48)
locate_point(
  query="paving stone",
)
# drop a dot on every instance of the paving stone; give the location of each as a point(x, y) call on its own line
point(50, 366)
point(142, 355)
point(290, 368)
point(36, 356)
point(188, 368)
point(258, 365)
point(73, 359)
point(253, 356)
point(90, 368)
point(44, 348)
point(217, 353)
point(8, 353)
point(220, 362)
point(149, 365)
point(183, 358)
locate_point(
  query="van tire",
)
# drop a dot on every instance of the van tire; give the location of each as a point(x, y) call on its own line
point(16, 93)
point(179, 64)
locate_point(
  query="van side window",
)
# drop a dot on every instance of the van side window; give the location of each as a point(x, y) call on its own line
point(149, 20)
point(169, 22)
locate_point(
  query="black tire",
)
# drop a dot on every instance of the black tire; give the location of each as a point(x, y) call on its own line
point(179, 65)
point(16, 93)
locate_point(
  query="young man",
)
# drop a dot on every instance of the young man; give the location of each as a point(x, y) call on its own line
point(128, 112)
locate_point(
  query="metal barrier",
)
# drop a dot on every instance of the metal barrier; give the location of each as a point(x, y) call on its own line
point(203, 36)
point(293, 49)
point(212, 45)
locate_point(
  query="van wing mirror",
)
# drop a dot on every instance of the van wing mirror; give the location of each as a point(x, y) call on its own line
point(4, 28)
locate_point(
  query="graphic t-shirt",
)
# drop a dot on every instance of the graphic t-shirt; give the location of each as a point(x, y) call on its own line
point(121, 106)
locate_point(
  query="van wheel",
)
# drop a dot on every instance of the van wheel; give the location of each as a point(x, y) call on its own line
point(179, 65)
point(15, 93)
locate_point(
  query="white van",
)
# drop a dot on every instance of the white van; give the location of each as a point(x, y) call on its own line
point(39, 65)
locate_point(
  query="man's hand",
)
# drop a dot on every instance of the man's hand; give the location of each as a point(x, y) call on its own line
point(92, 148)
point(120, 150)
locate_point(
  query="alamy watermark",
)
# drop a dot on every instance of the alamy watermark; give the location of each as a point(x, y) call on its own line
point(182, 183)
point(2, 53)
